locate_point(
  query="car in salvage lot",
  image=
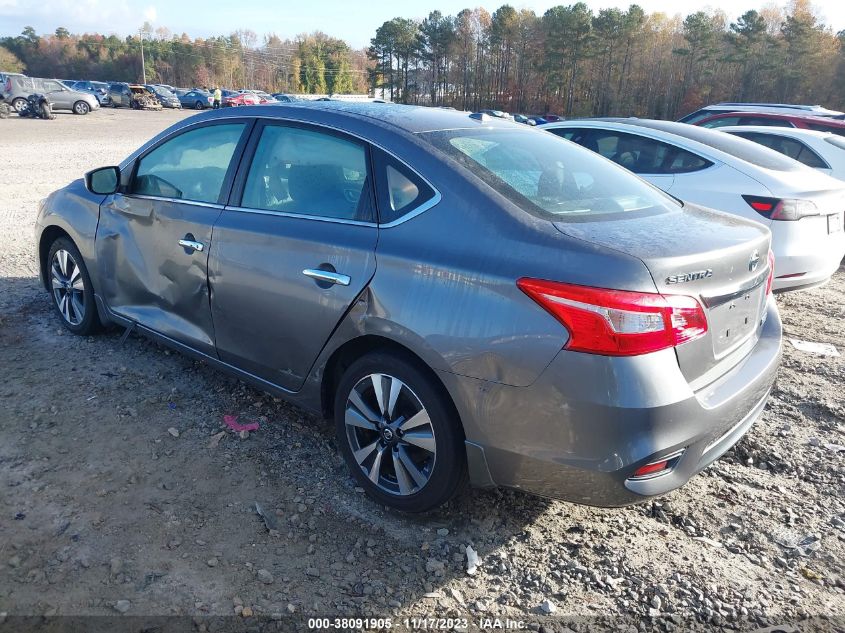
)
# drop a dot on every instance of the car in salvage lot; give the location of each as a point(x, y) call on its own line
point(803, 122)
point(18, 87)
point(803, 208)
point(579, 358)
point(823, 151)
point(135, 96)
point(196, 99)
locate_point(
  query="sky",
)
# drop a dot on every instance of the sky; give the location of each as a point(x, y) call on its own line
point(352, 21)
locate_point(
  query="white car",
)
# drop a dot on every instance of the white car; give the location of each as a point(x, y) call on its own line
point(823, 151)
point(804, 209)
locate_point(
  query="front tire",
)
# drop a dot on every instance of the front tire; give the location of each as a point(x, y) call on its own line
point(399, 433)
point(19, 104)
point(198, 105)
point(71, 288)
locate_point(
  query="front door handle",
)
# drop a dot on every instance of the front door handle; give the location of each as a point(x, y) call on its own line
point(195, 246)
point(327, 276)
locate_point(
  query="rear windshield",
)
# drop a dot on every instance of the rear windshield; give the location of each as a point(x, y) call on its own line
point(550, 176)
point(741, 148)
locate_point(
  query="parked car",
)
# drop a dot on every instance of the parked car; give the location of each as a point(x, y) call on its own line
point(803, 208)
point(820, 124)
point(18, 87)
point(135, 96)
point(823, 151)
point(523, 326)
point(196, 99)
point(771, 108)
point(258, 96)
point(285, 98)
point(99, 89)
point(521, 118)
point(165, 97)
point(234, 99)
point(498, 114)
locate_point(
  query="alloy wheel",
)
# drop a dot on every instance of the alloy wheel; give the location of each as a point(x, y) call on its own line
point(68, 287)
point(390, 434)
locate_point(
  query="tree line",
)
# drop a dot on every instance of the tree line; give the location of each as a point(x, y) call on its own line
point(575, 62)
point(315, 63)
point(570, 60)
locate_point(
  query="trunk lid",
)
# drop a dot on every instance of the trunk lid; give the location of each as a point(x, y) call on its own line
point(719, 259)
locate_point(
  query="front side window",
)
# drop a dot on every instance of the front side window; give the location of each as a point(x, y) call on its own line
point(191, 166)
point(751, 120)
point(549, 177)
point(722, 122)
point(308, 172)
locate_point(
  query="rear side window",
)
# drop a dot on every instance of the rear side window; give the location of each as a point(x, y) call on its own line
point(791, 147)
point(400, 190)
point(191, 166)
point(642, 155)
point(823, 128)
point(722, 122)
point(309, 172)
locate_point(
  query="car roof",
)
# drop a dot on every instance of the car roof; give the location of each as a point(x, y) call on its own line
point(408, 118)
point(778, 116)
point(797, 132)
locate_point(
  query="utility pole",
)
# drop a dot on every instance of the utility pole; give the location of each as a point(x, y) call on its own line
point(143, 66)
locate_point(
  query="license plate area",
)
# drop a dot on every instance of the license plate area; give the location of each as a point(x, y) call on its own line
point(733, 321)
point(834, 223)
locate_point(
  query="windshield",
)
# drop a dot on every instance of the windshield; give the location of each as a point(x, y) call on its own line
point(164, 92)
point(549, 176)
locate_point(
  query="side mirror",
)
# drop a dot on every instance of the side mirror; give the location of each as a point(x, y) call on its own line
point(103, 181)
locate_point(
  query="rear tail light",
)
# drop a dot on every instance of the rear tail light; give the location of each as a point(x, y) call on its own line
point(771, 276)
point(618, 322)
point(786, 209)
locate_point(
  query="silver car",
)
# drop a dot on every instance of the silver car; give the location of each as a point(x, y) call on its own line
point(19, 87)
point(464, 297)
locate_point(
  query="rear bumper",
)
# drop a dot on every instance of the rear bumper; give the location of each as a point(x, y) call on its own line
point(588, 422)
point(806, 255)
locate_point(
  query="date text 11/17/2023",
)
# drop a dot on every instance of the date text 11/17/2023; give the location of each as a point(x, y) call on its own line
point(417, 624)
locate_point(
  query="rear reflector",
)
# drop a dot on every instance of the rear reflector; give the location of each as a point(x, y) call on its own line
point(651, 469)
point(618, 322)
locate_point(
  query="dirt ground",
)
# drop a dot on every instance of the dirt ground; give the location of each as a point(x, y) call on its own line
point(116, 499)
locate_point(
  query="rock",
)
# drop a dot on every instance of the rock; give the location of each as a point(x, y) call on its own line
point(247, 612)
point(173, 431)
point(115, 566)
point(265, 576)
point(656, 602)
point(548, 607)
point(212, 562)
point(122, 606)
point(291, 608)
point(443, 532)
point(313, 572)
point(432, 565)
point(15, 562)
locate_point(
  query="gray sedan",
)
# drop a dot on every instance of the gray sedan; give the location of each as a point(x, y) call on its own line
point(465, 298)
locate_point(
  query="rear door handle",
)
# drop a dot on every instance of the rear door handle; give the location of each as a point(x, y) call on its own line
point(196, 246)
point(327, 276)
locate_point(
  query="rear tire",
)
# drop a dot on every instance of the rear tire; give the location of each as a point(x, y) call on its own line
point(198, 105)
point(19, 104)
point(71, 288)
point(399, 433)
point(81, 107)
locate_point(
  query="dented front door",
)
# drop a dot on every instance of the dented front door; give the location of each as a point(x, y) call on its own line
point(153, 255)
point(154, 237)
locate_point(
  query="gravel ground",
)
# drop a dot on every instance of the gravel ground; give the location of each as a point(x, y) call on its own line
point(122, 493)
